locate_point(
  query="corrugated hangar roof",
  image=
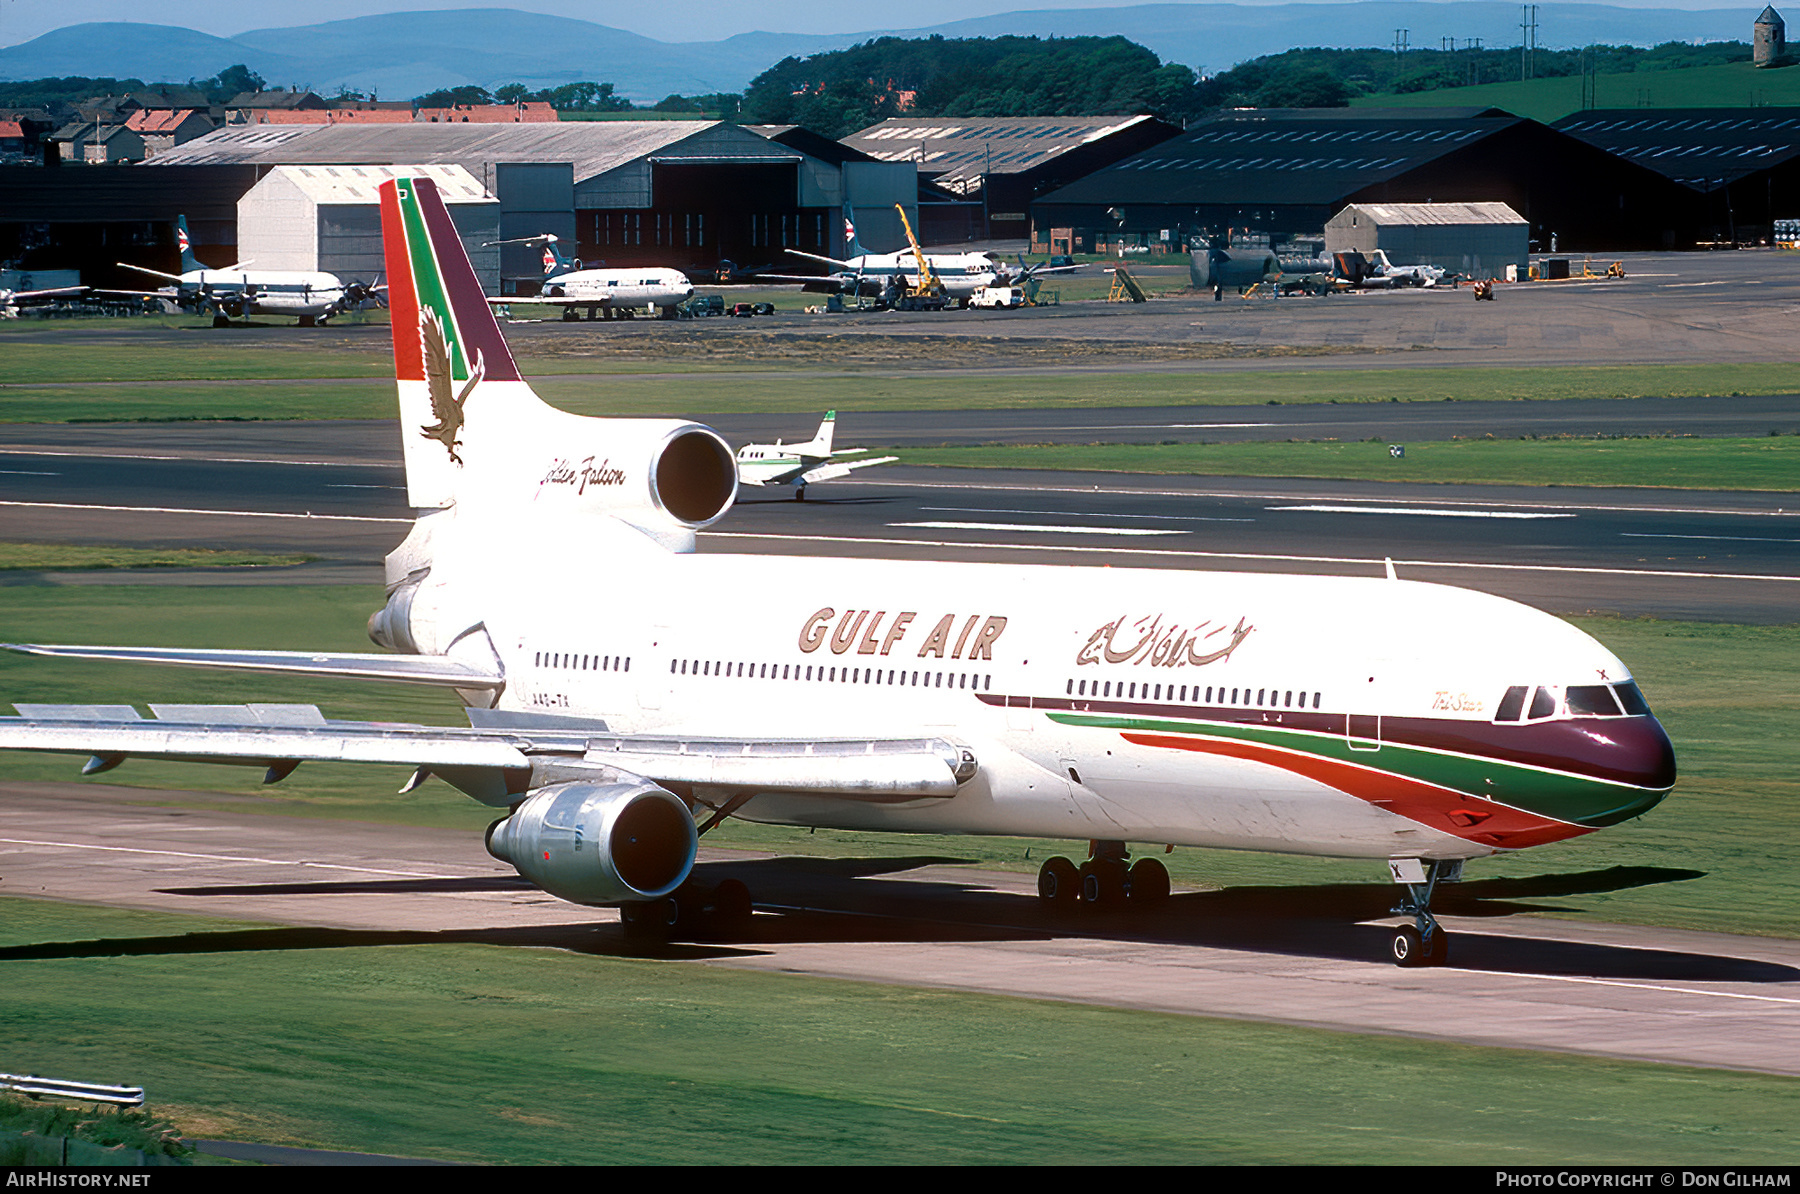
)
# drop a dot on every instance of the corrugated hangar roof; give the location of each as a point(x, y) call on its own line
point(356, 184)
point(593, 147)
point(1700, 147)
point(956, 150)
point(1439, 213)
point(1285, 155)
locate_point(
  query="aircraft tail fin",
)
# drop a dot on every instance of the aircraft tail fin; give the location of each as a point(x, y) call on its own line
point(446, 342)
point(189, 262)
point(556, 261)
point(852, 246)
point(821, 441)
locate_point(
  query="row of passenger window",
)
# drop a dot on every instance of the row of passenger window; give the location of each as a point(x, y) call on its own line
point(1578, 700)
point(1268, 698)
point(897, 677)
point(571, 661)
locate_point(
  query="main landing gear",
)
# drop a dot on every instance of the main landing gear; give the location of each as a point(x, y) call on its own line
point(696, 912)
point(1424, 942)
point(1107, 880)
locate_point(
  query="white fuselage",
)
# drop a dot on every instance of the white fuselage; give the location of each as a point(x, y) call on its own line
point(267, 291)
point(1089, 695)
point(762, 464)
point(961, 273)
point(648, 286)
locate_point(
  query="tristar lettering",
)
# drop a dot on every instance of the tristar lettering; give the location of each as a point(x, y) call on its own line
point(862, 629)
point(582, 475)
point(1163, 646)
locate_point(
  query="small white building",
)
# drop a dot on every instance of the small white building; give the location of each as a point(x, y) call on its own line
point(1477, 240)
point(329, 218)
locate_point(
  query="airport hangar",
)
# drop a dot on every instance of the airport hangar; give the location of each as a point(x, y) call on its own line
point(689, 194)
point(1285, 172)
point(1741, 164)
point(979, 175)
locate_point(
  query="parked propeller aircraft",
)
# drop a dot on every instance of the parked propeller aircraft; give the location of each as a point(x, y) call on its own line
point(801, 464)
point(634, 692)
point(604, 293)
point(238, 292)
point(878, 275)
point(12, 300)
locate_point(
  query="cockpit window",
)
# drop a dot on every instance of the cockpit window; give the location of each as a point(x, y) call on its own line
point(1593, 700)
point(1543, 704)
point(1512, 704)
point(1633, 700)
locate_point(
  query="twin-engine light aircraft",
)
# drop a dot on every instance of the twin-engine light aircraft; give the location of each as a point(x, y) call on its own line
point(626, 700)
point(602, 293)
point(238, 292)
point(801, 464)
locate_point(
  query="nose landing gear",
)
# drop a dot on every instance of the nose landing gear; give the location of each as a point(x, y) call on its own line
point(1424, 942)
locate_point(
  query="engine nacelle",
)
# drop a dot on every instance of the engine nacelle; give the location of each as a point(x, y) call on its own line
point(599, 843)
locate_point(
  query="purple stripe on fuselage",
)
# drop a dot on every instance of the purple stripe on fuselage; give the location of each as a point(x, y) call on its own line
point(1630, 750)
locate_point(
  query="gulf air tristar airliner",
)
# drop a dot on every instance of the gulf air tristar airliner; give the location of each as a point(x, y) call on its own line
point(625, 693)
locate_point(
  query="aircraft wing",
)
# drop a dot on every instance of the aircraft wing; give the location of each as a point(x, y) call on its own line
point(840, 468)
point(416, 669)
point(833, 281)
point(500, 755)
point(154, 273)
point(19, 295)
point(843, 265)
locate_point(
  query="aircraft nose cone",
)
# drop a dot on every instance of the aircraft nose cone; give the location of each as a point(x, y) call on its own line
point(1632, 750)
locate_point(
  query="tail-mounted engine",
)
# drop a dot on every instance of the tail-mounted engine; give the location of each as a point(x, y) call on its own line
point(599, 843)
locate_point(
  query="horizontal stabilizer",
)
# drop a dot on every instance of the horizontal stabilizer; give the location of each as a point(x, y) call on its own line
point(415, 669)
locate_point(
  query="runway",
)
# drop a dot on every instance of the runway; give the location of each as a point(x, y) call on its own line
point(335, 491)
point(1297, 955)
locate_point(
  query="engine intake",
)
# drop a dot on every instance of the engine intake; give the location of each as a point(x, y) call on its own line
point(599, 843)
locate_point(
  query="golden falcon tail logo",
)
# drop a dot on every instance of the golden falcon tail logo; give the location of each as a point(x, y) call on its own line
point(435, 351)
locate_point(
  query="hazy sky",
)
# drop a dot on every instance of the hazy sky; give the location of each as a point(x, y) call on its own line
point(676, 20)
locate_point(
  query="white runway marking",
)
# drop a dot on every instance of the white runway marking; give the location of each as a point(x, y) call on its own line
point(1423, 510)
point(1613, 982)
point(6, 451)
point(1078, 514)
point(1243, 495)
point(220, 513)
point(1372, 563)
point(1020, 526)
point(1709, 538)
point(327, 866)
point(19, 472)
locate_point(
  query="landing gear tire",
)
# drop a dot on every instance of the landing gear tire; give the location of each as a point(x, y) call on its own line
point(221, 321)
point(1059, 884)
point(1103, 883)
point(1148, 884)
point(570, 315)
point(1407, 948)
point(800, 493)
point(650, 920)
point(728, 917)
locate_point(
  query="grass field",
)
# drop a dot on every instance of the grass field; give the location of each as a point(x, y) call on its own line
point(1731, 85)
point(40, 557)
point(687, 389)
point(1764, 463)
point(491, 1054)
point(1719, 854)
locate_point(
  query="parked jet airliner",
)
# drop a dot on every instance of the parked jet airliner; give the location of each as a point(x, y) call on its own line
point(622, 687)
point(601, 292)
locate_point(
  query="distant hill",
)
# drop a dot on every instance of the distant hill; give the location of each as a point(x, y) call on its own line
point(407, 54)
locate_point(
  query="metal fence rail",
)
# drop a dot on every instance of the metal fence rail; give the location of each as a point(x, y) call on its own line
point(34, 1087)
